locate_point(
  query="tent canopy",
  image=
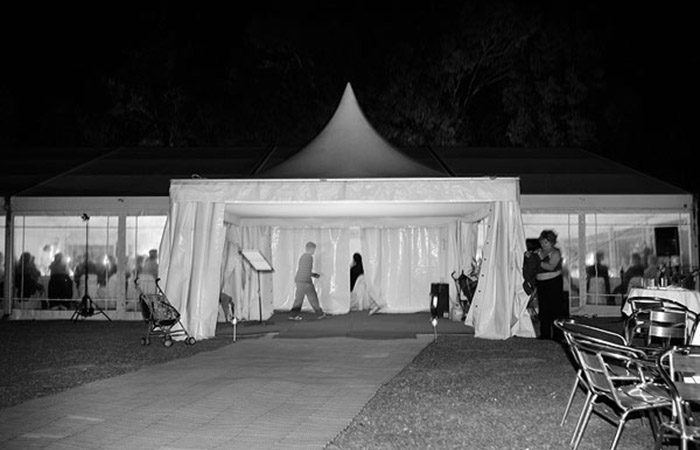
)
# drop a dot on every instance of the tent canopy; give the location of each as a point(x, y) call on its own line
point(349, 147)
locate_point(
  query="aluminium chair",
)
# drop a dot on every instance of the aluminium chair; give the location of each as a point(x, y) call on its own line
point(611, 397)
point(637, 322)
point(569, 328)
point(680, 369)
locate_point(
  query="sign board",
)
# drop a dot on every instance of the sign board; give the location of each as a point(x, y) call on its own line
point(257, 260)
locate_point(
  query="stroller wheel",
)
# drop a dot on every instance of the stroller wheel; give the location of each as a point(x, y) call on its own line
point(167, 342)
point(190, 341)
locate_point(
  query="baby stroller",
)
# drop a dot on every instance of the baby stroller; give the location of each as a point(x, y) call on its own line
point(160, 316)
point(466, 286)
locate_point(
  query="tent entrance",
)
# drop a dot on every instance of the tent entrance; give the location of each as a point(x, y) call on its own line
point(401, 258)
point(208, 219)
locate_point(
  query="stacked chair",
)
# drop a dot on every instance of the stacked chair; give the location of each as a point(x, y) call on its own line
point(656, 324)
point(619, 380)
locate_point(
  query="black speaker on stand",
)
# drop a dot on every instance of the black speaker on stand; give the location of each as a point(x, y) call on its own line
point(442, 292)
point(439, 303)
point(86, 307)
point(666, 239)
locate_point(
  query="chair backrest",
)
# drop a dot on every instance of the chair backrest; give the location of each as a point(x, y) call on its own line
point(602, 363)
point(576, 333)
point(668, 324)
point(571, 326)
point(644, 303)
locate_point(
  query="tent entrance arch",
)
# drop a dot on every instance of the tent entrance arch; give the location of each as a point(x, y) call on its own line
point(416, 231)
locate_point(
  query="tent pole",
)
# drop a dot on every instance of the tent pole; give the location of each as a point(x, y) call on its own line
point(8, 287)
point(259, 300)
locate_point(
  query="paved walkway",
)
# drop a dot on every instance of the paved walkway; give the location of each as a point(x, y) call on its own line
point(264, 393)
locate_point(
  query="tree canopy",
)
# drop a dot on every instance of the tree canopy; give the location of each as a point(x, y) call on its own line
point(479, 73)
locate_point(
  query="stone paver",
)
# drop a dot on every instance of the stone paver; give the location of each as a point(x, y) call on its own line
point(261, 393)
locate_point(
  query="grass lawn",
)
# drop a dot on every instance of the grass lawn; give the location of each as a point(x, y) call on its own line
point(459, 392)
point(468, 393)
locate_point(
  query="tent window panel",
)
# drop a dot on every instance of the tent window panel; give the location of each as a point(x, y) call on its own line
point(143, 235)
point(567, 229)
point(627, 240)
point(49, 257)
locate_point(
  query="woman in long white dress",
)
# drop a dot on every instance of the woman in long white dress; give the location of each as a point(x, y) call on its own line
point(361, 293)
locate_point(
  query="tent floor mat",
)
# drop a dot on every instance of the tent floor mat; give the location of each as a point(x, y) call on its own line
point(355, 324)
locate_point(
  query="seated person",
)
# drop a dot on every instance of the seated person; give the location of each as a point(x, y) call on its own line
point(633, 274)
point(652, 270)
point(599, 271)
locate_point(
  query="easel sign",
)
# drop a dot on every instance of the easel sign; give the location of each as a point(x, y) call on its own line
point(259, 264)
point(257, 260)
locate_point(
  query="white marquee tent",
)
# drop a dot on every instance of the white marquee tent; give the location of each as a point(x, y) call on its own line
point(348, 191)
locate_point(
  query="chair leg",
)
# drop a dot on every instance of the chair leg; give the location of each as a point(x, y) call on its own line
point(654, 421)
point(589, 400)
point(571, 398)
point(659, 441)
point(618, 432)
point(148, 333)
point(586, 417)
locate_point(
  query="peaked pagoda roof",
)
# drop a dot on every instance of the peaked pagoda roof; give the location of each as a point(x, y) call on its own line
point(349, 147)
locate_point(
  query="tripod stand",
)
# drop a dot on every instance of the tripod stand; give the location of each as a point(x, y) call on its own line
point(86, 307)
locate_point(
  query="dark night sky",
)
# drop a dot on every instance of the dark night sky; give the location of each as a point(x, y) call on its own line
point(56, 54)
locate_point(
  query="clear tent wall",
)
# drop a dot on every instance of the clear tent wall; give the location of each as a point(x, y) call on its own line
point(620, 229)
point(55, 251)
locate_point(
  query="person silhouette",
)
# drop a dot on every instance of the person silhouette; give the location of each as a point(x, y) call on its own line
point(550, 285)
point(304, 284)
point(27, 277)
point(60, 283)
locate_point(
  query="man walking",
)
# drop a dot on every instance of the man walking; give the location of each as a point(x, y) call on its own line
point(305, 286)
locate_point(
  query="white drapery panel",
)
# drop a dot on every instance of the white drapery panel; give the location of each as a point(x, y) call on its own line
point(467, 238)
point(500, 305)
point(400, 263)
point(239, 280)
point(191, 251)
